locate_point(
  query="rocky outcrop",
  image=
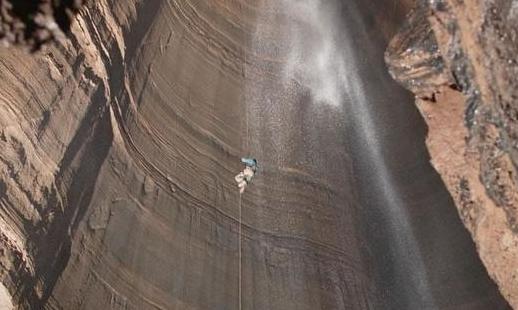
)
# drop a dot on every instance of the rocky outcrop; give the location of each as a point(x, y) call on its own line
point(56, 133)
point(459, 58)
point(32, 24)
point(414, 58)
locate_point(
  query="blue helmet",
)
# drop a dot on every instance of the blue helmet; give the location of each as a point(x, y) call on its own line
point(250, 162)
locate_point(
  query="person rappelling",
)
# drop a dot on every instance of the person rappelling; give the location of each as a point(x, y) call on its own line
point(244, 177)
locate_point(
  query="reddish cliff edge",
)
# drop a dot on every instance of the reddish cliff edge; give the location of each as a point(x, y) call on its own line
point(459, 58)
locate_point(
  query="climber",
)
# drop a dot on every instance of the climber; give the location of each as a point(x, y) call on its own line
point(244, 177)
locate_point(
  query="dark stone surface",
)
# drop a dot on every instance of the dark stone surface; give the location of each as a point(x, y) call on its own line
point(31, 24)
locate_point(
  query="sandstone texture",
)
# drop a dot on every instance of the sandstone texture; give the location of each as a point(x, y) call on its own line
point(119, 148)
point(460, 59)
point(120, 144)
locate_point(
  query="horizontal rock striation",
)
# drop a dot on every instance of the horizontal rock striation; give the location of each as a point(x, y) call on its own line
point(120, 147)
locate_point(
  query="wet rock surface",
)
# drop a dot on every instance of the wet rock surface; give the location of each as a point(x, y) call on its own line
point(473, 132)
point(119, 148)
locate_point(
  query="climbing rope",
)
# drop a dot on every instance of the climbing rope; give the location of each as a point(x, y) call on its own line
point(246, 151)
point(240, 229)
point(240, 255)
point(247, 139)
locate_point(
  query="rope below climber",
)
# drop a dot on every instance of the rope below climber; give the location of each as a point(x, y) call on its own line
point(244, 177)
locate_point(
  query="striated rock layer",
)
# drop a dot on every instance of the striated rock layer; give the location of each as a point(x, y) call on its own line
point(119, 149)
point(462, 54)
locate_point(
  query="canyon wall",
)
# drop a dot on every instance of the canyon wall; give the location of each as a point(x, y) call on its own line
point(459, 58)
point(119, 151)
point(57, 133)
point(120, 144)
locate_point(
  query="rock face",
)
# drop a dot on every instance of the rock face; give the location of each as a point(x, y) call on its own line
point(119, 148)
point(462, 55)
point(56, 134)
point(34, 23)
point(117, 191)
